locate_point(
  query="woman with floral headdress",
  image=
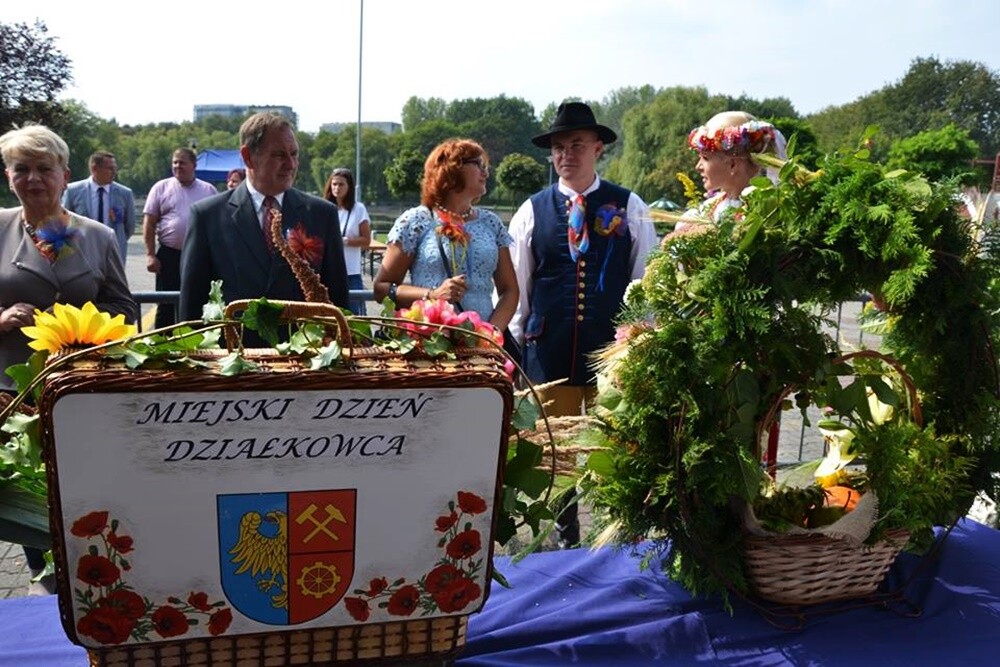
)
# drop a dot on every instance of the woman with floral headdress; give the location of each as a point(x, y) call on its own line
point(725, 145)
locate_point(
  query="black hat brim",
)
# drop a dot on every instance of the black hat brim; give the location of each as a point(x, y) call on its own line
point(605, 134)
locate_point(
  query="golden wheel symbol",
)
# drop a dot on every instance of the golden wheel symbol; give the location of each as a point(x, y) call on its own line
point(318, 579)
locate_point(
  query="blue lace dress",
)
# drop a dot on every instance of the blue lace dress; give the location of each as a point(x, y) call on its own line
point(415, 232)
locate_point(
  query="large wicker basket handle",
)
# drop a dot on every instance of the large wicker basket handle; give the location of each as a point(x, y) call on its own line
point(916, 413)
point(296, 310)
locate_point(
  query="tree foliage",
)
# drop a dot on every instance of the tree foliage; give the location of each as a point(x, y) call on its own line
point(32, 72)
point(519, 175)
point(940, 154)
point(405, 174)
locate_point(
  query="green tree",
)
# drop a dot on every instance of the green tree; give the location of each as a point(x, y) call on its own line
point(655, 141)
point(939, 154)
point(417, 110)
point(519, 175)
point(405, 174)
point(933, 94)
point(32, 72)
point(427, 135)
point(800, 135)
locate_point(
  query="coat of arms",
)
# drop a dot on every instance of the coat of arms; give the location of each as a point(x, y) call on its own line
point(286, 558)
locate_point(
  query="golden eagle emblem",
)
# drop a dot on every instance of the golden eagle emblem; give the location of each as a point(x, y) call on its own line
point(264, 556)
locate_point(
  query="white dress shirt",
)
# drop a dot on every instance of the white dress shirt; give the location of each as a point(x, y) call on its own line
point(522, 225)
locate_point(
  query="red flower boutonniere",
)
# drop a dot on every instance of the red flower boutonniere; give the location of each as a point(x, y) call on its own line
point(452, 227)
point(309, 248)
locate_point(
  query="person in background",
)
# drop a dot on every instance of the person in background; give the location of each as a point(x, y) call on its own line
point(226, 239)
point(355, 228)
point(452, 249)
point(724, 145)
point(49, 255)
point(235, 177)
point(577, 245)
point(165, 219)
point(103, 199)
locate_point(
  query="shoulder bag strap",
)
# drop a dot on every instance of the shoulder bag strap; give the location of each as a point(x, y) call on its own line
point(444, 257)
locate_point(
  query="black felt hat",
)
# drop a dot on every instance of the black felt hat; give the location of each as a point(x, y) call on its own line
point(574, 116)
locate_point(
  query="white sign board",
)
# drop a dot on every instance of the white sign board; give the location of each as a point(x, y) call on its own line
point(195, 514)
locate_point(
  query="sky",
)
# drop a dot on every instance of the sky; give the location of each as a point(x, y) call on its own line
point(144, 62)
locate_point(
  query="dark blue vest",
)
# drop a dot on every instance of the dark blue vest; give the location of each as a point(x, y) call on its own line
point(572, 308)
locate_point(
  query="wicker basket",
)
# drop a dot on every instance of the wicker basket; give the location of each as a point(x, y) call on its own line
point(810, 569)
point(805, 569)
point(393, 641)
point(409, 640)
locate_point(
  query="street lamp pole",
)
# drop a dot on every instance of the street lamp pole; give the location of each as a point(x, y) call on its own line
point(357, 140)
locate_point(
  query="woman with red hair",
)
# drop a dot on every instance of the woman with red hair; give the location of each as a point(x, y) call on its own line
point(450, 248)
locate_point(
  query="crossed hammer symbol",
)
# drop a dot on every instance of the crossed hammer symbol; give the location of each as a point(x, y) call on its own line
point(332, 514)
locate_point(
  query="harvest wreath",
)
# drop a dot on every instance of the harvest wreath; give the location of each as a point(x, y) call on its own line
point(725, 330)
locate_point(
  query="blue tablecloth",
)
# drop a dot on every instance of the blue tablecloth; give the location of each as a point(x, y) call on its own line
point(598, 608)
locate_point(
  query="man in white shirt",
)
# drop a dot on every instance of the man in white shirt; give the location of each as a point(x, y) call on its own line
point(577, 245)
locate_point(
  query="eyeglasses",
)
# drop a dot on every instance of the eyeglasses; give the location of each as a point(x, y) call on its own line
point(575, 148)
point(479, 162)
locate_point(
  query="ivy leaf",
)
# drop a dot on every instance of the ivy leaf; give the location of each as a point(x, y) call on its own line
point(602, 463)
point(438, 345)
point(215, 308)
point(263, 317)
point(526, 414)
point(308, 336)
point(328, 355)
point(23, 374)
point(235, 363)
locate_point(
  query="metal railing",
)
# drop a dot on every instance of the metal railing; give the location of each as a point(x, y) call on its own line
point(173, 297)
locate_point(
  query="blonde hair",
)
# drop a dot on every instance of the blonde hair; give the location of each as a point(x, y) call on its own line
point(734, 133)
point(33, 141)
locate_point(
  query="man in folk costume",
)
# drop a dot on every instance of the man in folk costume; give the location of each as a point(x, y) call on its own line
point(577, 245)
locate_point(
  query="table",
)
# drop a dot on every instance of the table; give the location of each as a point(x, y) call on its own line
point(597, 608)
point(375, 251)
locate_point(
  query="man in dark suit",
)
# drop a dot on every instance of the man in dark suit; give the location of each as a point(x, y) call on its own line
point(225, 238)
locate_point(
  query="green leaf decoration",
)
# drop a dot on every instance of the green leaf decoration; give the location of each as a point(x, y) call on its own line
point(235, 363)
point(264, 317)
point(215, 308)
point(438, 345)
point(526, 413)
point(328, 356)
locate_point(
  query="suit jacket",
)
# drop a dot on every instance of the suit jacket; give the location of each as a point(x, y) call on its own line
point(225, 242)
point(120, 204)
point(90, 271)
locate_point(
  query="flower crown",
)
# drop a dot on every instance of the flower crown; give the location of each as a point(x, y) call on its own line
point(753, 136)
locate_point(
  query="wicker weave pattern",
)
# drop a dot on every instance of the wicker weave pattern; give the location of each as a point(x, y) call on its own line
point(810, 569)
point(409, 640)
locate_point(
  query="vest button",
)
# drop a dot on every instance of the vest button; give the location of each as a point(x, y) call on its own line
point(581, 296)
point(579, 318)
point(582, 285)
point(583, 263)
point(583, 274)
point(580, 307)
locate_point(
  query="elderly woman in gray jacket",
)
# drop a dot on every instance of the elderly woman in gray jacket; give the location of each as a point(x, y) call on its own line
point(48, 255)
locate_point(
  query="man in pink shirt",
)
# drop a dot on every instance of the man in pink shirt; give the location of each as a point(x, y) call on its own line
point(165, 218)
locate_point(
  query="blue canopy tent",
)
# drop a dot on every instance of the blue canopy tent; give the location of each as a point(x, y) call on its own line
point(214, 164)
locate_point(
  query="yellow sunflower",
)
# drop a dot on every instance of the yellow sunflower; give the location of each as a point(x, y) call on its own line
point(69, 326)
